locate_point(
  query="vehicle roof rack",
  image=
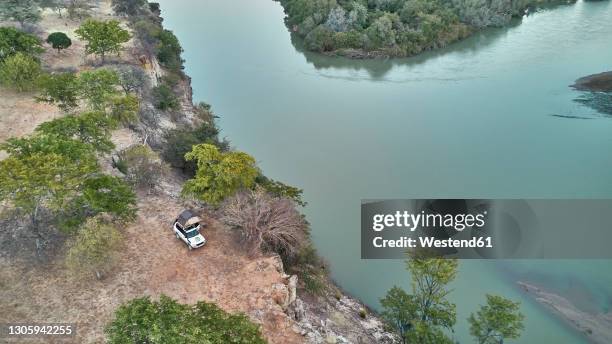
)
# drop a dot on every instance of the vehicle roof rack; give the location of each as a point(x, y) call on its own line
point(187, 218)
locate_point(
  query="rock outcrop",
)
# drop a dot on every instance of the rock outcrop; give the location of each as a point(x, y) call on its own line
point(337, 319)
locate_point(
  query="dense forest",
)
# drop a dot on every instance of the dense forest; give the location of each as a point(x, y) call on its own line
point(370, 28)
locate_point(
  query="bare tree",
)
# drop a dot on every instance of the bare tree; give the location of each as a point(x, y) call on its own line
point(267, 223)
point(131, 78)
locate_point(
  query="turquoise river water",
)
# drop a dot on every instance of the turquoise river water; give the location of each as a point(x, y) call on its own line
point(488, 117)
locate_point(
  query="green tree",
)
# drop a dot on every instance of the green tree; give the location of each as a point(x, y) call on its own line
point(76, 151)
point(46, 172)
point(59, 41)
point(141, 165)
point(94, 249)
point(169, 50)
point(167, 321)
point(99, 194)
point(219, 174)
point(423, 316)
point(165, 99)
point(60, 89)
point(181, 140)
point(20, 72)
point(13, 41)
point(111, 195)
point(21, 11)
point(124, 110)
point(430, 278)
point(40, 176)
point(103, 37)
point(93, 128)
point(320, 39)
point(98, 87)
point(399, 310)
point(496, 321)
point(279, 189)
point(128, 7)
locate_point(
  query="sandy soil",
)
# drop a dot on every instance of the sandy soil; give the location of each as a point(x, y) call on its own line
point(152, 262)
point(20, 114)
point(596, 326)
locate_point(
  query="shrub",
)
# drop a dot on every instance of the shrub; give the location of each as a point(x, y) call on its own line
point(59, 41)
point(164, 98)
point(169, 51)
point(204, 112)
point(167, 321)
point(93, 128)
point(110, 195)
point(99, 194)
point(154, 7)
point(124, 110)
point(349, 39)
point(311, 269)
point(142, 166)
point(320, 39)
point(267, 223)
point(128, 7)
point(60, 89)
point(93, 250)
point(149, 116)
point(172, 79)
point(131, 78)
point(219, 174)
point(79, 9)
point(180, 141)
point(21, 11)
point(13, 41)
point(98, 87)
point(20, 72)
point(148, 33)
point(279, 189)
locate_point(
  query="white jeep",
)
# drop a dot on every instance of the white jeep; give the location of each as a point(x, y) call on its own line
point(187, 228)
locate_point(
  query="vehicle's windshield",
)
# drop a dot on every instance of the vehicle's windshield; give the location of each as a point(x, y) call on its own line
point(192, 233)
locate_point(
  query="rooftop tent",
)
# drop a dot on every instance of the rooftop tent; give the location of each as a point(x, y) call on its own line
point(187, 218)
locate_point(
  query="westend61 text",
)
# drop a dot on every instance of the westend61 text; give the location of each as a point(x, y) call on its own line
point(432, 242)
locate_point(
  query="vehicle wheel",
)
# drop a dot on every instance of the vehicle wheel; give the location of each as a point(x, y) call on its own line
point(190, 248)
point(176, 235)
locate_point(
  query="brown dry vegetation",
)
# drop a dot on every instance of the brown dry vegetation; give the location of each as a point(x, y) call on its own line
point(152, 261)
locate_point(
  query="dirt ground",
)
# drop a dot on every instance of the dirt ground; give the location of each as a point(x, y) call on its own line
point(152, 260)
point(19, 114)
